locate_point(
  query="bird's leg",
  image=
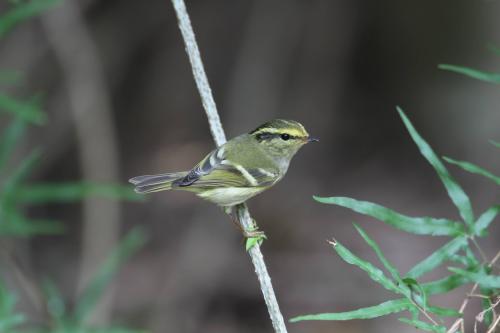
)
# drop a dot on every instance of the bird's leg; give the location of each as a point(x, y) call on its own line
point(254, 232)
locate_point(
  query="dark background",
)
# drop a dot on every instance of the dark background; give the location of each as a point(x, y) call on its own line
point(122, 102)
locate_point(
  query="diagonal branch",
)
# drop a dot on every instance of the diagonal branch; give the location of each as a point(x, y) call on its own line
point(220, 138)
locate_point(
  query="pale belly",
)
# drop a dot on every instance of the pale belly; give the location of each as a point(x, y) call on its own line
point(230, 196)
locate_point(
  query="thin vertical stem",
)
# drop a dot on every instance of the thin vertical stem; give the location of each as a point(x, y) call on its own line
point(220, 138)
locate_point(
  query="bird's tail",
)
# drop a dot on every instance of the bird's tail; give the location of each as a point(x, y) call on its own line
point(155, 183)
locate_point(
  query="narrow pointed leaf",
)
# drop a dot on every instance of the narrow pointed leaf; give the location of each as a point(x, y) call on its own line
point(472, 168)
point(90, 296)
point(28, 111)
point(444, 285)
point(373, 272)
point(459, 259)
point(473, 73)
point(416, 292)
point(22, 12)
point(484, 280)
point(390, 268)
point(416, 225)
point(494, 143)
point(438, 257)
point(443, 312)
point(485, 220)
point(455, 191)
point(9, 139)
point(19, 175)
point(379, 310)
point(55, 302)
point(474, 262)
point(9, 319)
point(15, 225)
point(69, 192)
point(423, 325)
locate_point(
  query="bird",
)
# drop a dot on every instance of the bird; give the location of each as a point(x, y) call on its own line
point(239, 169)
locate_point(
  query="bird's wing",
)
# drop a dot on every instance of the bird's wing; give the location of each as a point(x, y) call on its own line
point(215, 170)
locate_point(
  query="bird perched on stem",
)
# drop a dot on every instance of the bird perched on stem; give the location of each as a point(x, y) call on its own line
point(237, 170)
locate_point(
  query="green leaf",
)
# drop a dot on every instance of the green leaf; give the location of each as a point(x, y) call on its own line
point(444, 285)
point(485, 220)
point(494, 143)
point(438, 257)
point(416, 225)
point(472, 168)
point(9, 319)
point(423, 325)
point(90, 296)
point(444, 312)
point(373, 272)
point(487, 305)
point(22, 12)
point(473, 73)
point(474, 262)
point(253, 241)
point(17, 177)
point(9, 139)
point(379, 310)
point(55, 303)
point(484, 280)
point(72, 191)
point(460, 259)
point(421, 297)
point(28, 111)
point(390, 268)
point(14, 224)
point(455, 192)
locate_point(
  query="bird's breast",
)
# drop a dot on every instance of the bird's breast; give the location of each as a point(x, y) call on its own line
point(230, 196)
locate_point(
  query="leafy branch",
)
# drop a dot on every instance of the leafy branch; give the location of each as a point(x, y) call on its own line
point(460, 250)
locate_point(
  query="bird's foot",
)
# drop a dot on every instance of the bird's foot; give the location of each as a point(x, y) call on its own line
point(253, 237)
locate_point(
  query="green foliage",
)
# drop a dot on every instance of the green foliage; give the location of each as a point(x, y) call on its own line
point(21, 11)
point(379, 310)
point(481, 277)
point(17, 192)
point(438, 257)
point(473, 73)
point(9, 319)
point(459, 250)
point(472, 168)
point(455, 191)
point(74, 322)
point(129, 245)
point(423, 325)
point(414, 225)
point(28, 111)
point(494, 143)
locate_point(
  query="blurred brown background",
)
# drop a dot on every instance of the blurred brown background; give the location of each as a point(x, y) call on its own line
point(122, 102)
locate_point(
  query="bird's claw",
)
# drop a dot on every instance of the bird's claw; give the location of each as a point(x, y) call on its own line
point(253, 237)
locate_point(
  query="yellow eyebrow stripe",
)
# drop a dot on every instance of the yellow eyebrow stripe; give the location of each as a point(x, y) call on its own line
point(291, 131)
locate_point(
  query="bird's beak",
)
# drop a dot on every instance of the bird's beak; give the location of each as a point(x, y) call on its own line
point(309, 139)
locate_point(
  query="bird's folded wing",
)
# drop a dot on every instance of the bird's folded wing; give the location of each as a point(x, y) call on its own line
point(216, 171)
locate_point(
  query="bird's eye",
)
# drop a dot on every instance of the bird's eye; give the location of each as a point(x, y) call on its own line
point(285, 136)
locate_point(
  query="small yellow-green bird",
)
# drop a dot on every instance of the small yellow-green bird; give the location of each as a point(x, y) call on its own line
point(239, 169)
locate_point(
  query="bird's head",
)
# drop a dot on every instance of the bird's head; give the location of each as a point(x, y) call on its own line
point(281, 138)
